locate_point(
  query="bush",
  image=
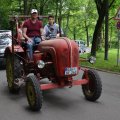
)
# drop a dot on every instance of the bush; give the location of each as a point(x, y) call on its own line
point(113, 44)
point(4, 15)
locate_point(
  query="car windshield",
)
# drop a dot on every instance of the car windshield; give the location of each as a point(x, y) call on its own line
point(4, 40)
point(80, 41)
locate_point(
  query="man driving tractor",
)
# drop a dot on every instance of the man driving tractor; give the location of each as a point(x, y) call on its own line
point(32, 31)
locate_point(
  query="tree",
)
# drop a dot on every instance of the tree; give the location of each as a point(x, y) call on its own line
point(106, 30)
point(25, 6)
point(101, 9)
point(4, 14)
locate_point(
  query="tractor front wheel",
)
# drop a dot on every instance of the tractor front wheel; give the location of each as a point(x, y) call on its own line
point(92, 90)
point(33, 92)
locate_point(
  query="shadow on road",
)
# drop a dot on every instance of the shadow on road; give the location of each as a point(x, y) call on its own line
point(27, 108)
point(55, 99)
point(15, 96)
point(59, 98)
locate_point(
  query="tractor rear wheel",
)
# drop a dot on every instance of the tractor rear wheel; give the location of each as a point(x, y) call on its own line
point(92, 90)
point(34, 94)
point(13, 71)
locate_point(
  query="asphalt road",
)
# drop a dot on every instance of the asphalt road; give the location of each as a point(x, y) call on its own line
point(63, 104)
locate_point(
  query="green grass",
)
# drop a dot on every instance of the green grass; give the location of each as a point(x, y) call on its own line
point(110, 64)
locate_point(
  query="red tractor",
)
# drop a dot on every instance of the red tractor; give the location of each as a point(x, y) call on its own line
point(56, 59)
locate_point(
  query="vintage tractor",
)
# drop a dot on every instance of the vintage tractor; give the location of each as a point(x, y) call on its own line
point(56, 59)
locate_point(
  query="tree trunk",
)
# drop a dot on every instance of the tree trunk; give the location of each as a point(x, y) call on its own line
point(106, 31)
point(42, 6)
point(56, 11)
point(30, 6)
point(95, 35)
point(111, 31)
point(87, 33)
point(74, 33)
point(41, 9)
point(103, 35)
point(25, 6)
point(20, 6)
point(60, 16)
point(99, 40)
point(67, 24)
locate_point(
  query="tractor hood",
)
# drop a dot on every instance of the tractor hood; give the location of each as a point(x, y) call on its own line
point(64, 52)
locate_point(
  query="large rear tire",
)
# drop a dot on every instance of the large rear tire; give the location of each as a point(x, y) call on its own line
point(34, 94)
point(13, 71)
point(93, 89)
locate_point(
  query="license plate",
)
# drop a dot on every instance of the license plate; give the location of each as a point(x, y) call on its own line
point(71, 71)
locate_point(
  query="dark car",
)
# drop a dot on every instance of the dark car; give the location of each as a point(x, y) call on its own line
point(5, 41)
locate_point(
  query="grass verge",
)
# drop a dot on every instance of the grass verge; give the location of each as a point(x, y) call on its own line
point(109, 65)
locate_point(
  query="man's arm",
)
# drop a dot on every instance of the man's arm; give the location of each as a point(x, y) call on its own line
point(24, 34)
point(42, 33)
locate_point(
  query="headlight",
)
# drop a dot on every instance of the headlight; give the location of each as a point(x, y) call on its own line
point(92, 59)
point(41, 64)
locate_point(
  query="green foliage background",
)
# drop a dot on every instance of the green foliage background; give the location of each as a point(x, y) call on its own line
point(79, 12)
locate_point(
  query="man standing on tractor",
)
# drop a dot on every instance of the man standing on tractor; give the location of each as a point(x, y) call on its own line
point(52, 30)
point(32, 30)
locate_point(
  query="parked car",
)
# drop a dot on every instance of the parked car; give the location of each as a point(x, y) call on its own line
point(81, 45)
point(5, 41)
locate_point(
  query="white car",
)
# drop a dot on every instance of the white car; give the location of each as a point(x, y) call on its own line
point(5, 41)
point(81, 45)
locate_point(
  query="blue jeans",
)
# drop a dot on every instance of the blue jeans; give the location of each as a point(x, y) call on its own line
point(35, 41)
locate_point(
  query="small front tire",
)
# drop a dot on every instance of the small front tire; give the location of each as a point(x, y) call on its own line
point(34, 94)
point(92, 90)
